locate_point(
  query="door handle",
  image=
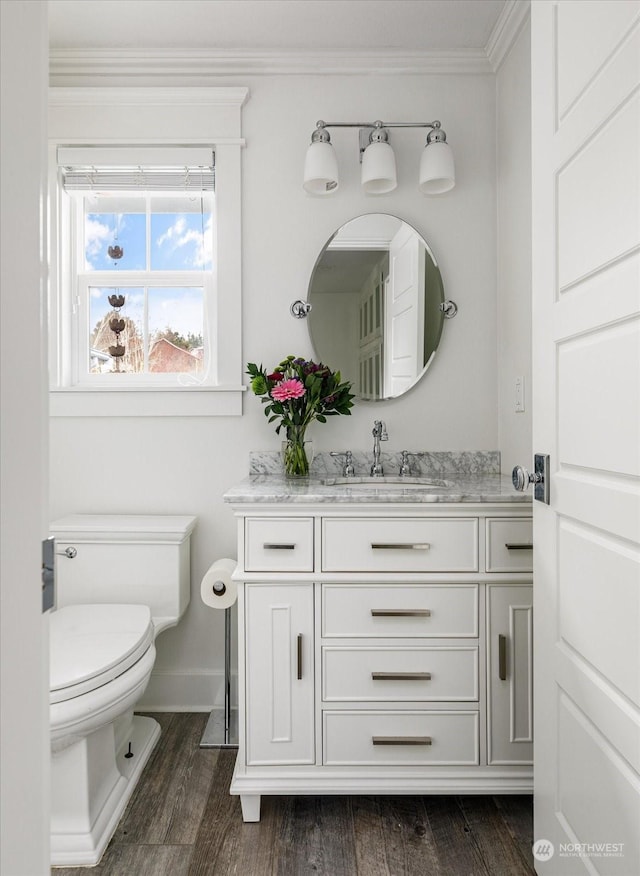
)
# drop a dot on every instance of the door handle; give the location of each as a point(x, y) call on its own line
point(299, 650)
point(399, 546)
point(521, 478)
point(401, 676)
point(502, 657)
point(400, 612)
point(401, 740)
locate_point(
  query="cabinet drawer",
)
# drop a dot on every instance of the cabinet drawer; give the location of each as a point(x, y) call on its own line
point(278, 544)
point(400, 610)
point(395, 545)
point(400, 738)
point(510, 545)
point(399, 674)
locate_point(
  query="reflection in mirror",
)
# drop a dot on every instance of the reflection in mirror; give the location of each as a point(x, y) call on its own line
point(376, 292)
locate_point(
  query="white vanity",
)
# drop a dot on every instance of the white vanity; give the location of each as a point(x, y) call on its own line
point(385, 638)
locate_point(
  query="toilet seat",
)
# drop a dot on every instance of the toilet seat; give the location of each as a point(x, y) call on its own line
point(90, 645)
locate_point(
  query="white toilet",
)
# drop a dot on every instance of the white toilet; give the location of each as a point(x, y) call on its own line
point(120, 580)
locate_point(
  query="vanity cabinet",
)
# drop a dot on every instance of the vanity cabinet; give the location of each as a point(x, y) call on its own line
point(383, 648)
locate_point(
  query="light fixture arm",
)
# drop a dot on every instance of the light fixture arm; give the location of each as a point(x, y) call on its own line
point(321, 125)
point(377, 132)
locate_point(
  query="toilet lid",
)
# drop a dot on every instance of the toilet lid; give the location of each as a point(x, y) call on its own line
point(92, 644)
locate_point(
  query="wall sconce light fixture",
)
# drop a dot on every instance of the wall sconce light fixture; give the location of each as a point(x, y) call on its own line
point(378, 175)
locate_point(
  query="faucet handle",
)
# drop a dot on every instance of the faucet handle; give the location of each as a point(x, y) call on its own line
point(348, 471)
point(405, 468)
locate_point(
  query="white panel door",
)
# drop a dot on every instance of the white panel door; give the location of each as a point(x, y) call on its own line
point(404, 307)
point(24, 437)
point(586, 367)
point(279, 673)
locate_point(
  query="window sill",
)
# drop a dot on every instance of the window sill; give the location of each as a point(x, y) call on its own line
point(147, 402)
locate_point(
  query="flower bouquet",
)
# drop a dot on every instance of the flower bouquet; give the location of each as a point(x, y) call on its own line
point(297, 392)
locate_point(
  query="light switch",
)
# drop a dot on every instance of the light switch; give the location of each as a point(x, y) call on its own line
point(519, 395)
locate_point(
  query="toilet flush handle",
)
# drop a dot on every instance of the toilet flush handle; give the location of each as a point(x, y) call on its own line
point(69, 552)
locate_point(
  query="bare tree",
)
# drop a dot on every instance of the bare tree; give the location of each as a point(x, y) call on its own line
point(103, 337)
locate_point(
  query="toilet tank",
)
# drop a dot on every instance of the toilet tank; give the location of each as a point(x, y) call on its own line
point(141, 559)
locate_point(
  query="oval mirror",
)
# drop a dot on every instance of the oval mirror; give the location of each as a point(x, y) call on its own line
point(376, 295)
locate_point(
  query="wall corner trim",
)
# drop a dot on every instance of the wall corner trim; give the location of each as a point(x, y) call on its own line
point(506, 31)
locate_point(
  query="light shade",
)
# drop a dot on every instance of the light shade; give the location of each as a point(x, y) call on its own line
point(379, 169)
point(437, 170)
point(320, 169)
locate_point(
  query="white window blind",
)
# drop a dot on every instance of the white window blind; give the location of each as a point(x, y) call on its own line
point(137, 169)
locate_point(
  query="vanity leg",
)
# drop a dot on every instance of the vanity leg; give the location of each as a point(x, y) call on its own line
point(250, 807)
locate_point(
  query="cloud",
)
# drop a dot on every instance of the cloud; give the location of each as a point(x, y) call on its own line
point(172, 234)
point(178, 236)
point(95, 235)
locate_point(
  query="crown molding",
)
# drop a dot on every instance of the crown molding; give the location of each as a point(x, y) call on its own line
point(188, 66)
point(506, 31)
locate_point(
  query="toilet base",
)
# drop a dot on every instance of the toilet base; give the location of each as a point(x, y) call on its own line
point(85, 815)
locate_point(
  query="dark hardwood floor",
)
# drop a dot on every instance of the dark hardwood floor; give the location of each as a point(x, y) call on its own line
point(181, 821)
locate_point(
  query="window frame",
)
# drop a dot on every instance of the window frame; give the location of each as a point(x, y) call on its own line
point(147, 277)
point(150, 117)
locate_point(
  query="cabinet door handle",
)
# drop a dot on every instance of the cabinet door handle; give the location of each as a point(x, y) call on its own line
point(519, 547)
point(299, 656)
point(401, 676)
point(400, 612)
point(400, 546)
point(401, 740)
point(502, 658)
point(278, 547)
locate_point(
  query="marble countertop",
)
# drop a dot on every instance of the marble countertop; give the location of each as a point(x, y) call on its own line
point(458, 487)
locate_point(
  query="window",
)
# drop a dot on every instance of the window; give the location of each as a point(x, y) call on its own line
point(145, 313)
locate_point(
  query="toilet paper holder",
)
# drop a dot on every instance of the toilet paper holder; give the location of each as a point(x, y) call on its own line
point(221, 731)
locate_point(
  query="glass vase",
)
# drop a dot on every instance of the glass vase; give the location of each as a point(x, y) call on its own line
point(297, 454)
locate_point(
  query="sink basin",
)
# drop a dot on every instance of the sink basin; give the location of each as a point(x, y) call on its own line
point(391, 483)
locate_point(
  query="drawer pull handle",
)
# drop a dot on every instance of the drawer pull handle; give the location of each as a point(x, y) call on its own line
point(401, 676)
point(400, 612)
point(502, 658)
point(299, 656)
point(519, 547)
point(401, 740)
point(400, 546)
point(279, 547)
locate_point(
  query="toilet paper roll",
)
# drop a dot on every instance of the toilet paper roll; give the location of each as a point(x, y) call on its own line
point(217, 589)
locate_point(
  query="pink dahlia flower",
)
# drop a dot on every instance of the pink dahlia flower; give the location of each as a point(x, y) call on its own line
point(288, 389)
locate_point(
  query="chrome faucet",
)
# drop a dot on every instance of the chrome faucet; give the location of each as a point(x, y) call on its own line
point(379, 434)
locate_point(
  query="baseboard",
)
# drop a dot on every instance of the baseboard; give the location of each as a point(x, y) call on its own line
point(191, 691)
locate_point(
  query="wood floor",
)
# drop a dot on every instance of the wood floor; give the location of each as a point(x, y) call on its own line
point(181, 821)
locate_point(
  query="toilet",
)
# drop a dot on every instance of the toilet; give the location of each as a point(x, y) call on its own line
point(120, 581)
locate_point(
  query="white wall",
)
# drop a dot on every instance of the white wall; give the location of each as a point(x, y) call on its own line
point(185, 465)
point(513, 111)
point(24, 643)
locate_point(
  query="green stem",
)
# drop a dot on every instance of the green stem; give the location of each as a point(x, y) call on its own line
point(296, 463)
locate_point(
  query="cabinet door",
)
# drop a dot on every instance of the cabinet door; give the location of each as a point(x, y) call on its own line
point(279, 674)
point(509, 674)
